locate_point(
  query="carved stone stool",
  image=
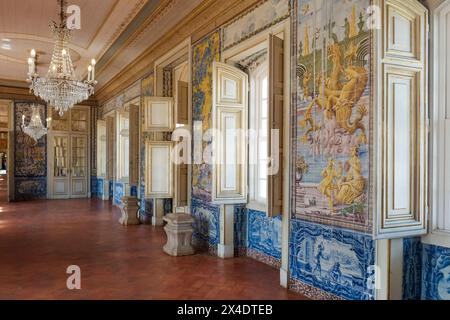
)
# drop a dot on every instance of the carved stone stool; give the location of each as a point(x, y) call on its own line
point(179, 233)
point(129, 210)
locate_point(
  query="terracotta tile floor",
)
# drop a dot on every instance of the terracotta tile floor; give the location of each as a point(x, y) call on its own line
point(39, 239)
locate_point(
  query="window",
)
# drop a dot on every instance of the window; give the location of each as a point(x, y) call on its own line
point(440, 146)
point(101, 148)
point(123, 147)
point(258, 153)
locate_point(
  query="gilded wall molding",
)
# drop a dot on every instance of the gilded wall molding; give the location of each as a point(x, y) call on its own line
point(206, 18)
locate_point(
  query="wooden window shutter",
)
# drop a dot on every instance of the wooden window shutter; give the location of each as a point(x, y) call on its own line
point(230, 104)
point(182, 103)
point(101, 148)
point(401, 139)
point(111, 129)
point(276, 85)
point(182, 185)
point(134, 144)
point(158, 114)
point(159, 169)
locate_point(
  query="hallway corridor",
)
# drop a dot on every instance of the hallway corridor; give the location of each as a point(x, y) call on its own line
point(40, 239)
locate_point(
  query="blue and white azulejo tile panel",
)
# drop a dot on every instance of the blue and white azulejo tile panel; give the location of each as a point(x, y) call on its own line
point(412, 268)
point(264, 234)
point(335, 260)
point(118, 193)
point(435, 273)
point(206, 221)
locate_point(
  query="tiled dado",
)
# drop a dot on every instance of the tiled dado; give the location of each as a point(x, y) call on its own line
point(94, 183)
point(334, 260)
point(435, 273)
point(264, 234)
point(118, 193)
point(206, 223)
point(264, 258)
point(240, 228)
point(310, 291)
point(412, 268)
point(111, 189)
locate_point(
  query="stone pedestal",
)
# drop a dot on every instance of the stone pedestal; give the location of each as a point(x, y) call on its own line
point(179, 233)
point(129, 210)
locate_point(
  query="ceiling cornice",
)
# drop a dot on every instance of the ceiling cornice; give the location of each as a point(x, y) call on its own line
point(207, 17)
point(140, 21)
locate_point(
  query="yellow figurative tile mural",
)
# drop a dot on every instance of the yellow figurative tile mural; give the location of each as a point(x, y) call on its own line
point(204, 54)
point(333, 113)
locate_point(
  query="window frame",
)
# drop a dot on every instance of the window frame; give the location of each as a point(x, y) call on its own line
point(101, 149)
point(123, 148)
point(256, 79)
point(440, 117)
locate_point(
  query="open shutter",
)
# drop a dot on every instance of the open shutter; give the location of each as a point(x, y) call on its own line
point(101, 148)
point(402, 135)
point(110, 137)
point(230, 102)
point(134, 144)
point(158, 114)
point(182, 103)
point(275, 134)
point(159, 169)
point(182, 185)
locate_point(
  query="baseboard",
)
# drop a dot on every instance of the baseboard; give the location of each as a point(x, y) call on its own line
point(284, 278)
point(225, 251)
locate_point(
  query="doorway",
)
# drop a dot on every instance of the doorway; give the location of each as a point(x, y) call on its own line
point(68, 151)
point(5, 112)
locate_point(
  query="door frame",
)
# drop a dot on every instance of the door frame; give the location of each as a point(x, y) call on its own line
point(69, 134)
point(10, 151)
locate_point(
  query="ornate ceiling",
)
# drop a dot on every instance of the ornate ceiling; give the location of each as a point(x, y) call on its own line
point(114, 32)
point(25, 24)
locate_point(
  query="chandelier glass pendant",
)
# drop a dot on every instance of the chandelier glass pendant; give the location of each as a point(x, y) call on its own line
point(35, 129)
point(61, 88)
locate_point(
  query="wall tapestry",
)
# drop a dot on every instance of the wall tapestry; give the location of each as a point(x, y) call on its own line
point(333, 114)
point(204, 54)
point(266, 14)
point(30, 158)
point(30, 188)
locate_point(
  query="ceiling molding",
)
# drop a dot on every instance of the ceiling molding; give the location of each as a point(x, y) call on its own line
point(123, 27)
point(205, 18)
point(149, 12)
point(110, 21)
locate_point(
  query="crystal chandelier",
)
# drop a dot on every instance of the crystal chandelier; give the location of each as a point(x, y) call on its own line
point(61, 88)
point(35, 128)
